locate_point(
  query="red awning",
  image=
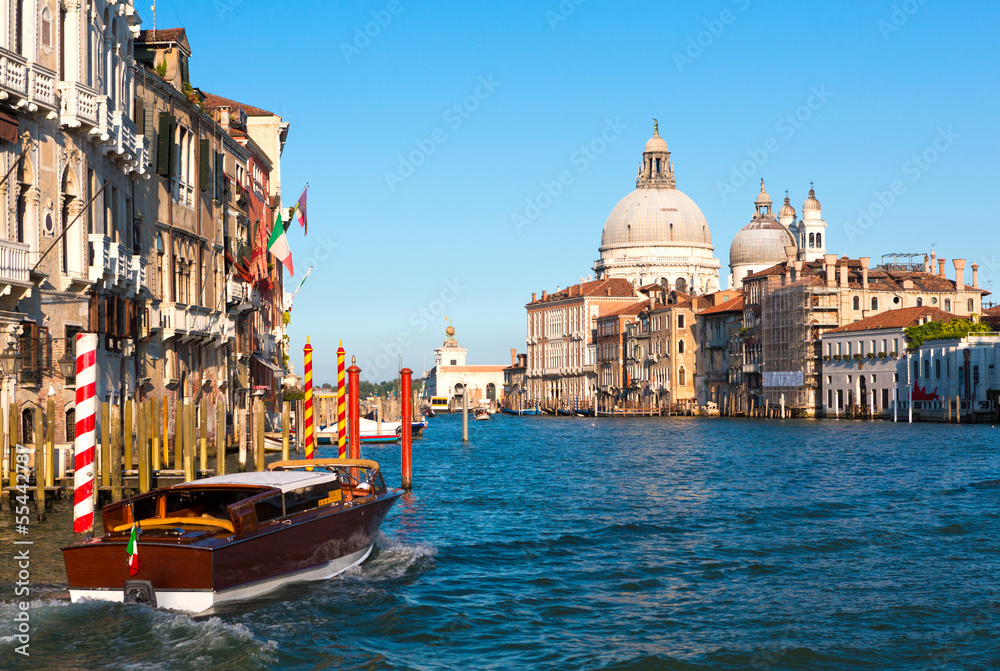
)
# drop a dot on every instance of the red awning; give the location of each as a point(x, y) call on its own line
point(8, 127)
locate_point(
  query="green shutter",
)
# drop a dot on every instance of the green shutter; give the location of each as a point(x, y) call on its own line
point(139, 114)
point(205, 172)
point(220, 183)
point(163, 143)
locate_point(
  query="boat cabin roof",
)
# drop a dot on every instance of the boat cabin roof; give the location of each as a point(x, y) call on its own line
point(286, 481)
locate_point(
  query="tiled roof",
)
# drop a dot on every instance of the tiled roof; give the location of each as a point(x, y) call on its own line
point(735, 305)
point(615, 287)
point(164, 35)
point(897, 319)
point(213, 101)
point(879, 279)
point(629, 310)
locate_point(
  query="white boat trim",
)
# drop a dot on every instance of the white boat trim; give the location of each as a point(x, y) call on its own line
point(199, 601)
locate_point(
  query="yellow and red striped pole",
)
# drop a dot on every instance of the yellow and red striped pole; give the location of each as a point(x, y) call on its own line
point(341, 404)
point(307, 353)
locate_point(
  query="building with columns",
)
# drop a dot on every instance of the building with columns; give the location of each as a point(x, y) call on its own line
point(657, 234)
point(451, 376)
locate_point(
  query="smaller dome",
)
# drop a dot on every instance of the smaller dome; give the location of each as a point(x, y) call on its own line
point(811, 204)
point(762, 197)
point(762, 242)
point(786, 210)
point(655, 143)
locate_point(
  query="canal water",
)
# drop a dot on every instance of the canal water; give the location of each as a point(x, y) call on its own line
point(570, 543)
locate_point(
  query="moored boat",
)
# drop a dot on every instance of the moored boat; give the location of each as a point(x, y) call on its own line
point(482, 414)
point(233, 536)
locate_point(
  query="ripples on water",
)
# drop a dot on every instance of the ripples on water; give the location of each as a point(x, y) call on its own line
point(625, 544)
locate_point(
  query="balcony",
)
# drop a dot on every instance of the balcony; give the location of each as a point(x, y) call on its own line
point(13, 262)
point(121, 266)
point(13, 75)
point(265, 344)
point(41, 88)
point(187, 322)
point(139, 272)
point(79, 105)
point(100, 255)
point(240, 296)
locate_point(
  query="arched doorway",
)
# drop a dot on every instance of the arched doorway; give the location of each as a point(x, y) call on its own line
point(491, 391)
point(862, 391)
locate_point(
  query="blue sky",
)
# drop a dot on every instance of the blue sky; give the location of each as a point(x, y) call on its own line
point(425, 138)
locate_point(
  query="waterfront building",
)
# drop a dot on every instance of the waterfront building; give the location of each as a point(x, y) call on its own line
point(788, 306)
point(561, 345)
point(667, 368)
point(118, 206)
point(657, 234)
point(451, 376)
point(514, 389)
point(611, 348)
point(869, 368)
point(720, 363)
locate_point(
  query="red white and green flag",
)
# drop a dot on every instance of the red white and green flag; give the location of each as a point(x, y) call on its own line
point(301, 207)
point(278, 245)
point(133, 551)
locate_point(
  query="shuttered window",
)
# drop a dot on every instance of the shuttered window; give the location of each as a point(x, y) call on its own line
point(205, 166)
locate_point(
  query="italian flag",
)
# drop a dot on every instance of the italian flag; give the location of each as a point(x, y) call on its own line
point(133, 551)
point(278, 245)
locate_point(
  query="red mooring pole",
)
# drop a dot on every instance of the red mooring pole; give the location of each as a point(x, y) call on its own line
point(354, 411)
point(407, 429)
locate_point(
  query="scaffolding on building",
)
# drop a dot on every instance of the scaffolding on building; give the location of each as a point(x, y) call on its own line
point(793, 314)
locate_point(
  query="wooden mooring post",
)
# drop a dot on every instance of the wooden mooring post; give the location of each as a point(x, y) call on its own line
point(259, 419)
point(187, 420)
point(105, 444)
point(39, 465)
point(203, 453)
point(129, 425)
point(12, 443)
point(285, 429)
point(143, 453)
point(114, 464)
point(220, 438)
point(154, 433)
point(179, 435)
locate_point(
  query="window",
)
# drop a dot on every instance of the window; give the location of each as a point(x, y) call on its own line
point(920, 301)
point(819, 240)
point(70, 425)
point(46, 30)
point(857, 302)
point(682, 377)
point(927, 368)
point(947, 305)
point(680, 321)
point(874, 303)
point(812, 240)
point(937, 368)
point(972, 305)
point(680, 347)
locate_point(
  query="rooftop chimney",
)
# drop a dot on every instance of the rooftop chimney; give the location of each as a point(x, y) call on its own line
point(513, 357)
point(941, 267)
point(791, 251)
point(830, 263)
point(843, 276)
point(798, 271)
point(534, 297)
point(933, 262)
point(865, 260)
point(544, 294)
point(927, 264)
point(975, 275)
point(959, 274)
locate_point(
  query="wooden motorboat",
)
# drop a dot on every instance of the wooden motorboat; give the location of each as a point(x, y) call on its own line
point(482, 413)
point(234, 536)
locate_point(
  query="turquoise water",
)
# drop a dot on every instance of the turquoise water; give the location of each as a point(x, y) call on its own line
point(575, 543)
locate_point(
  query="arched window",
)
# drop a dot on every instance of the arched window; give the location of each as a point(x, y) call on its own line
point(927, 368)
point(819, 240)
point(920, 301)
point(70, 424)
point(874, 303)
point(947, 305)
point(491, 391)
point(857, 302)
point(972, 305)
point(682, 377)
point(680, 347)
point(812, 240)
point(28, 426)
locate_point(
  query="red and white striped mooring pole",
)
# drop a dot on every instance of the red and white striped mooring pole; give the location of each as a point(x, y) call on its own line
point(86, 433)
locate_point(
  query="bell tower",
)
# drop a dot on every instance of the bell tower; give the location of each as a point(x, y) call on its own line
point(656, 171)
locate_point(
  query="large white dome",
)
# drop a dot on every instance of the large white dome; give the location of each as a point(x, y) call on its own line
point(760, 243)
point(655, 217)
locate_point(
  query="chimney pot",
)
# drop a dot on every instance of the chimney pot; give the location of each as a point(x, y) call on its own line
point(975, 275)
point(843, 276)
point(865, 260)
point(959, 274)
point(544, 294)
point(791, 252)
point(513, 357)
point(941, 263)
point(830, 261)
point(927, 263)
point(534, 296)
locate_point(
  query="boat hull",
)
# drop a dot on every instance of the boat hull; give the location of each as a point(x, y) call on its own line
point(194, 577)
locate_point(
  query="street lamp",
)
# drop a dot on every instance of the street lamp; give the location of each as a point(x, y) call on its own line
point(10, 360)
point(67, 365)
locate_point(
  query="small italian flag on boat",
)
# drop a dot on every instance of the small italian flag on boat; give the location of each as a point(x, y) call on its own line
point(133, 551)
